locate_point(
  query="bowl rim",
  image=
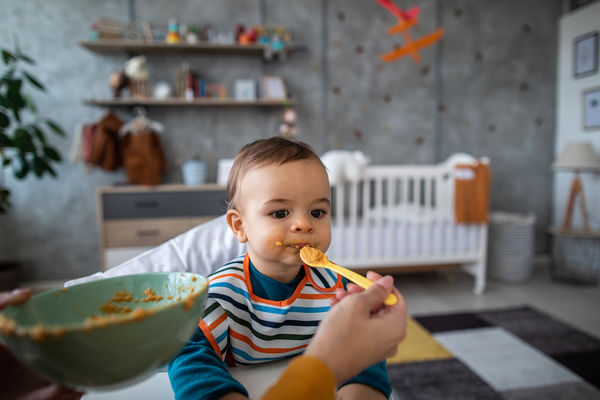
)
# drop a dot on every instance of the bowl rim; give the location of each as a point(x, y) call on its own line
point(38, 332)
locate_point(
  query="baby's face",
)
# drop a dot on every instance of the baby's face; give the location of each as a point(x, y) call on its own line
point(285, 207)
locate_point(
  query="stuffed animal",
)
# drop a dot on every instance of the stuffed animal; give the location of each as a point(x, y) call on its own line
point(344, 166)
point(136, 68)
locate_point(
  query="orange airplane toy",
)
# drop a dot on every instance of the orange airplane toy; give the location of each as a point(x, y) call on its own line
point(406, 20)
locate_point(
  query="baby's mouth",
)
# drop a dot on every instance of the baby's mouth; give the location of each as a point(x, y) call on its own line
point(297, 245)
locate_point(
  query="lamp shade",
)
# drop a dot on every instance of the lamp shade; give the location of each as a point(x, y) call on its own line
point(579, 156)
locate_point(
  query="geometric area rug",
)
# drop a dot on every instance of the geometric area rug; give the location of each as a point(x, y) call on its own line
point(513, 353)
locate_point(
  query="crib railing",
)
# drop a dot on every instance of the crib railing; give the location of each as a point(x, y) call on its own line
point(402, 215)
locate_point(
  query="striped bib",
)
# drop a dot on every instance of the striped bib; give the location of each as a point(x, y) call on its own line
point(246, 329)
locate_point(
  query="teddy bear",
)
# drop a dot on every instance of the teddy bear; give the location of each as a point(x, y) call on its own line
point(344, 166)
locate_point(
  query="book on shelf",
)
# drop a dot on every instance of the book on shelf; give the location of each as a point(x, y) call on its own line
point(190, 85)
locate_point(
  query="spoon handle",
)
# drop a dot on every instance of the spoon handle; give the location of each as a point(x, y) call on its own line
point(359, 280)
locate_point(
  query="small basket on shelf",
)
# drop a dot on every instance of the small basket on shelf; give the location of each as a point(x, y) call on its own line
point(139, 88)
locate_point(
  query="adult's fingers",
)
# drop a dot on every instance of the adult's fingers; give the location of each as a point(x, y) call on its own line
point(15, 297)
point(374, 276)
point(375, 295)
point(53, 392)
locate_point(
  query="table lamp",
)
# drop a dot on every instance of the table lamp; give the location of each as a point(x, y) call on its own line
point(578, 157)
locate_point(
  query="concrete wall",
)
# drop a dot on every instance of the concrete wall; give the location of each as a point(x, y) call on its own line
point(487, 89)
point(569, 114)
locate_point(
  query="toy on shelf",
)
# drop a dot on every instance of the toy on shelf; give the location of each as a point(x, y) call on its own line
point(118, 81)
point(275, 39)
point(137, 72)
point(407, 20)
point(245, 36)
point(288, 128)
point(173, 31)
point(191, 35)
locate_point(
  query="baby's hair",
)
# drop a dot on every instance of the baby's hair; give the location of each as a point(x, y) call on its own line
point(263, 152)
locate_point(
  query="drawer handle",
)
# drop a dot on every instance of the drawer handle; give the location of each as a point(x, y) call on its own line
point(146, 204)
point(148, 232)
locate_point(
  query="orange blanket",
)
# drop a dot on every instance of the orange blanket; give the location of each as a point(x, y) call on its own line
point(472, 193)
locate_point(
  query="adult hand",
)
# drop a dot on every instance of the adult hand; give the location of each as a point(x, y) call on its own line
point(17, 381)
point(360, 331)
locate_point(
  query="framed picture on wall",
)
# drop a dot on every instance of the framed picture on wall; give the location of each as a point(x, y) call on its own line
point(585, 57)
point(591, 108)
point(273, 88)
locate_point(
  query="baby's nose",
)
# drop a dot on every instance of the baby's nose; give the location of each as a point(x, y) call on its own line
point(301, 224)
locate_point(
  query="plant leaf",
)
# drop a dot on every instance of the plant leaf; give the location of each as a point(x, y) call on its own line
point(49, 169)
point(5, 141)
point(22, 169)
point(4, 102)
point(4, 200)
point(25, 58)
point(33, 80)
point(24, 141)
point(8, 57)
point(38, 133)
point(38, 166)
point(31, 104)
point(51, 153)
point(4, 121)
point(14, 93)
point(55, 127)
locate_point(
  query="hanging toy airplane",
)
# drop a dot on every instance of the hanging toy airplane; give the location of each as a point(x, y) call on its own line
point(406, 20)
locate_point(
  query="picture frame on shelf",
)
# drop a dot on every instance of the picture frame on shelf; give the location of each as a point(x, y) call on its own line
point(591, 109)
point(244, 89)
point(585, 55)
point(273, 88)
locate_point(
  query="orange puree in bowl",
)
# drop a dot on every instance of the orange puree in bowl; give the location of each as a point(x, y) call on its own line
point(122, 296)
point(151, 296)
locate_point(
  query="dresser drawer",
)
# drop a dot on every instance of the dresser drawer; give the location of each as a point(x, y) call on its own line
point(146, 232)
point(163, 204)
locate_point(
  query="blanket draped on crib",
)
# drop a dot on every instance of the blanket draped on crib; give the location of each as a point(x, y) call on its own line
point(472, 193)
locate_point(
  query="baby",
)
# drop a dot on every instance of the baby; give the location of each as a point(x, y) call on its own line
point(266, 305)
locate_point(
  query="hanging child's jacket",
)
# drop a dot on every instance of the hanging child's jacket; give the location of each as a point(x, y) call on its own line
point(103, 144)
point(143, 158)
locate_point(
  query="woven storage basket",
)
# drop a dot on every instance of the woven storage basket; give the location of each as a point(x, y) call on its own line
point(576, 259)
point(139, 88)
point(510, 247)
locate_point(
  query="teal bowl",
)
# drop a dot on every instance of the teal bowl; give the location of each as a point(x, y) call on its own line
point(106, 333)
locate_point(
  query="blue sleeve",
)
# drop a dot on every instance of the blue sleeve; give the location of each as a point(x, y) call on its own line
point(375, 376)
point(197, 372)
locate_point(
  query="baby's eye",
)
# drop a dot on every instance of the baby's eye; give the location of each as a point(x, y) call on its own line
point(318, 213)
point(279, 214)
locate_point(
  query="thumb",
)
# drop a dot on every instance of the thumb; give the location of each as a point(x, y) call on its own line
point(376, 294)
point(15, 297)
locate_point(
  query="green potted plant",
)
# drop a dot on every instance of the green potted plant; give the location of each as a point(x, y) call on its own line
point(24, 147)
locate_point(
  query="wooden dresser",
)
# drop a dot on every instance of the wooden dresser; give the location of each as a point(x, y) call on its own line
point(132, 219)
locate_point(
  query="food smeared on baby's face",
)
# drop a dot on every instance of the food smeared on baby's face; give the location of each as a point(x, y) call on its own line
point(279, 243)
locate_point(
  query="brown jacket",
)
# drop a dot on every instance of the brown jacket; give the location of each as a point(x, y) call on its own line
point(143, 158)
point(105, 151)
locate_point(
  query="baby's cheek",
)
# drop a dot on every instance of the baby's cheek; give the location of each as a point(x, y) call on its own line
point(273, 244)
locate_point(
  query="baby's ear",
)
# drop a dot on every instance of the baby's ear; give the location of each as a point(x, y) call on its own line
point(235, 221)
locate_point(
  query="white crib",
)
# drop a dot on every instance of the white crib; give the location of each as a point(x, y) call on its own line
point(403, 216)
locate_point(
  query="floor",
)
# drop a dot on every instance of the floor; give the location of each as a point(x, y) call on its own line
point(451, 290)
